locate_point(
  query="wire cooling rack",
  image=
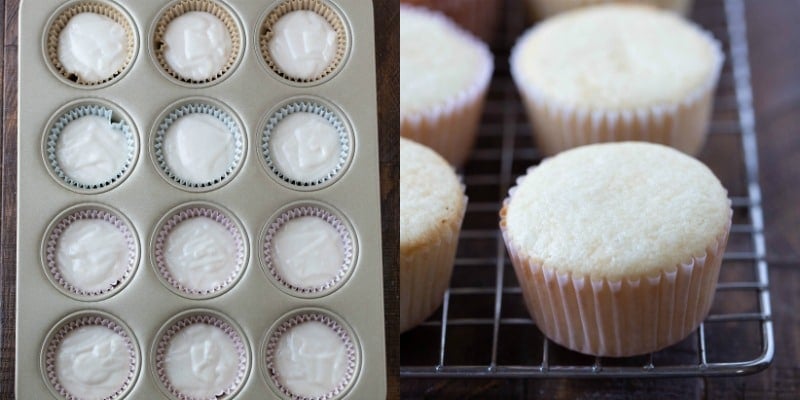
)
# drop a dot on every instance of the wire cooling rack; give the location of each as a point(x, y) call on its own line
point(483, 329)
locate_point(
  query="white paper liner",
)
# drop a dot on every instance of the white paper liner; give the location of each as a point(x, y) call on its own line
point(218, 216)
point(425, 273)
point(180, 7)
point(540, 9)
point(477, 16)
point(345, 237)
point(559, 126)
point(51, 354)
point(96, 7)
point(321, 8)
point(617, 318)
point(51, 247)
point(311, 107)
point(212, 320)
point(352, 354)
point(123, 126)
point(199, 108)
point(450, 128)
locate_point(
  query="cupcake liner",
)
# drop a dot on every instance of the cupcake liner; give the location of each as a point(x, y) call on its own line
point(323, 9)
point(311, 107)
point(425, 274)
point(559, 126)
point(450, 128)
point(346, 239)
point(52, 143)
point(175, 218)
point(162, 346)
point(477, 16)
point(212, 7)
point(91, 319)
point(198, 108)
point(51, 246)
point(540, 9)
point(353, 356)
point(617, 318)
point(96, 7)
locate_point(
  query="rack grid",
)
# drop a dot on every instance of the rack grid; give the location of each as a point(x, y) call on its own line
point(482, 329)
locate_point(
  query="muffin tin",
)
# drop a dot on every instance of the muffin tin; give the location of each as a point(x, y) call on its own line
point(247, 195)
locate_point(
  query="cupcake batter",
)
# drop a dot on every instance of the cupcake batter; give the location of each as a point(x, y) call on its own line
point(92, 255)
point(93, 362)
point(92, 46)
point(308, 252)
point(311, 360)
point(202, 361)
point(305, 147)
point(201, 254)
point(303, 45)
point(91, 151)
point(198, 45)
point(198, 148)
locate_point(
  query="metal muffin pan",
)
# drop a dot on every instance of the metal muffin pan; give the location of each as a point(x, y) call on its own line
point(256, 304)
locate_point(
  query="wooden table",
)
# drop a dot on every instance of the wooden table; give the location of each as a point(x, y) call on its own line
point(774, 38)
point(387, 53)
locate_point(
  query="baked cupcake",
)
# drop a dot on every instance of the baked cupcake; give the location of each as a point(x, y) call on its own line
point(432, 205)
point(617, 72)
point(617, 246)
point(443, 82)
point(540, 9)
point(477, 16)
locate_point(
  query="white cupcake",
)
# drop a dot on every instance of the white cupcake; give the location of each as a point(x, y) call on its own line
point(617, 72)
point(617, 246)
point(444, 74)
point(432, 206)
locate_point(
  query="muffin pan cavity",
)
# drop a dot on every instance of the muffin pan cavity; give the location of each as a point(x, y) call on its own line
point(189, 202)
point(90, 44)
point(303, 42)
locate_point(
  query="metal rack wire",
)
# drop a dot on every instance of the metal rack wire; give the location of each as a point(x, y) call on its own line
point(483, 330)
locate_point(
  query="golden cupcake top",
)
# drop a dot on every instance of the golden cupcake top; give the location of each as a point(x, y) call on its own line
point(440, 63)
point(616, 57)
point(616, 210)
point(431, 195)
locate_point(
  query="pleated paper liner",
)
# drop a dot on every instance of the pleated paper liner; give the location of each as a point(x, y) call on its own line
point(216, 215)
point(60, 20)
point(189, 107)
point(219, 10)
point(312, 107)
point(325, 9)
point(51, 247)
point(75, 322)
point(269, 254)
point(174, 328)
point(276, 377)
point(557, 127)
point(118, 121)
point(425, 274)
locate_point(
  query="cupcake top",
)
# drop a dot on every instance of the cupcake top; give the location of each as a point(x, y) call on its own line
point(431, 195)
point(615, 57)
point(92, 46)
point(436, 74)
point(610, 211)
point(199, 148)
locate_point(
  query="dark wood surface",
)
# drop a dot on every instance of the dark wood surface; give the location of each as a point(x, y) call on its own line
point(387, 58)
point(774, 38)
